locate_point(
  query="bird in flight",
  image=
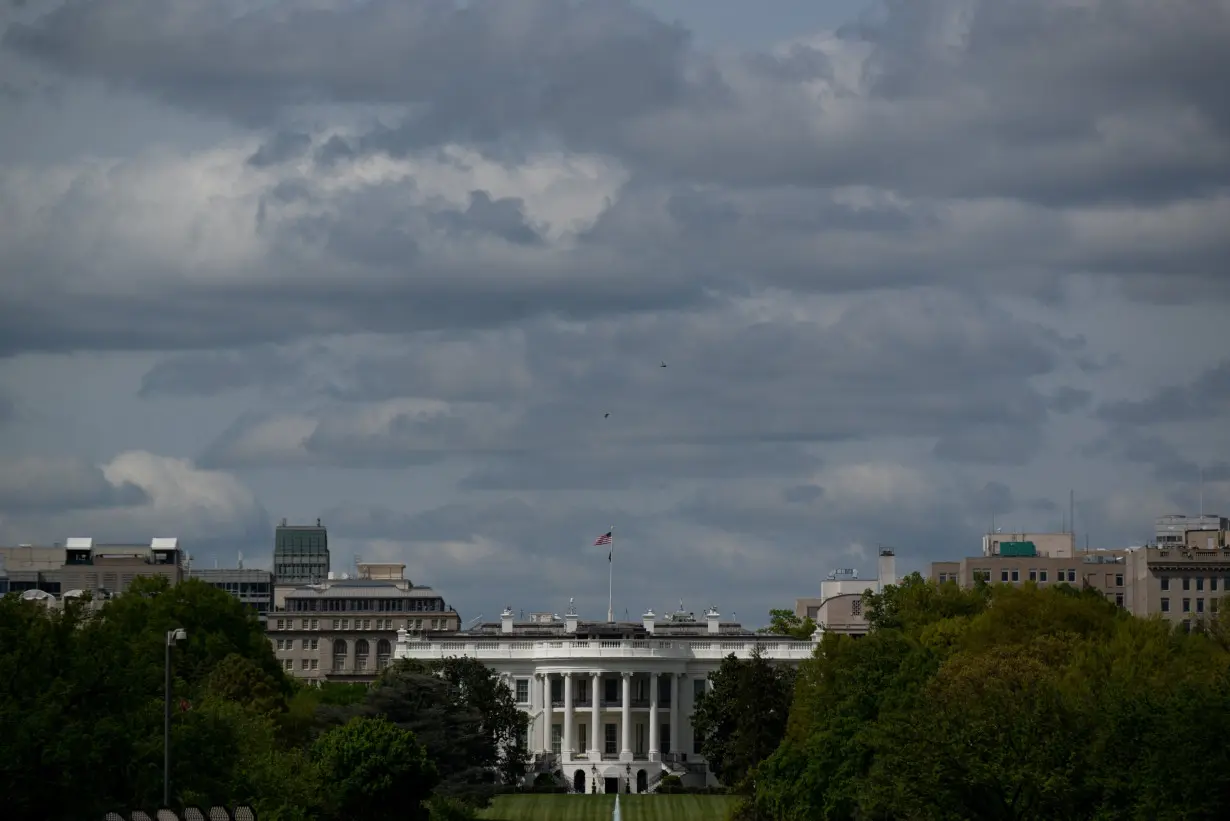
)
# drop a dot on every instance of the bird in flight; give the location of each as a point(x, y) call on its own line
point(663, 364)
point(605, 415)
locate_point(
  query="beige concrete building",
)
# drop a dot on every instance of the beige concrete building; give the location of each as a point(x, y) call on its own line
point(839, 608)
point(83, 565)
point(345, 629)
point(1182, 579)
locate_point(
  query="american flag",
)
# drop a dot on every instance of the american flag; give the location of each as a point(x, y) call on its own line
point(605, 538)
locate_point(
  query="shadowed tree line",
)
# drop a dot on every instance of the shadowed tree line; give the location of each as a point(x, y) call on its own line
point(81, 712)
point(986, 703)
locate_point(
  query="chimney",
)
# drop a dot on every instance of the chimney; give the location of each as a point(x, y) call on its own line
point(506, 620)
point(714, 619)
point(648, 619)
point(888, 568)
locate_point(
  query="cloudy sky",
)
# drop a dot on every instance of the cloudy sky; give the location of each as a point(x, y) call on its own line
point(911, 265)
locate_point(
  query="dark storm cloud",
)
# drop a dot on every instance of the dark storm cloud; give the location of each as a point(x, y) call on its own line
point(475, 72)
point(283, 146)
point(209, 374)
point(739, 394)
point(1206, 398)
point(1126, 106)
point(46, 486)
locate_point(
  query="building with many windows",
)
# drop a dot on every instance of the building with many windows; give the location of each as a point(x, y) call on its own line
point(253, 588)
point(610, 703)
point(1182, 578)
point(300, 554)
point(344, 629)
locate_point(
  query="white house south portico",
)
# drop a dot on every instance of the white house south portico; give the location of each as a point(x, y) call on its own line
point(610, 703)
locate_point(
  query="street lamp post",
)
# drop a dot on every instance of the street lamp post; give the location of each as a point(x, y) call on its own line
point(173, 636)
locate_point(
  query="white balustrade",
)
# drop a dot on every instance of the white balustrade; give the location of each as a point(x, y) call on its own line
point(606, 648)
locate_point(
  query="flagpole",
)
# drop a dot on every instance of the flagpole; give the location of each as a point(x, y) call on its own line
point(610, 581)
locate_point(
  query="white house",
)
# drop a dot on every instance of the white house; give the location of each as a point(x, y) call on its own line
point(610, 703)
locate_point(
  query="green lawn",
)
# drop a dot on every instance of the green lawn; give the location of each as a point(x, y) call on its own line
point(599, 807)
point(550, 808)
point(676, 807)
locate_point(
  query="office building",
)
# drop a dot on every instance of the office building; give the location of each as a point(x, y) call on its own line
point(345, 628)
point(610, 703)
point(300, 554)
point(83, 565)
point(253, 588)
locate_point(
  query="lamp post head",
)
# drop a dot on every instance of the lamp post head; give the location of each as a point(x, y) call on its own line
point(176, 635)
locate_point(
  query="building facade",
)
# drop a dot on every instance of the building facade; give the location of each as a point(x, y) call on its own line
point(1181, 579)
point(300, 554)
point(82, 565)
point(253, 588)
point(610, 704)
point(839, 609)
point(345, 629)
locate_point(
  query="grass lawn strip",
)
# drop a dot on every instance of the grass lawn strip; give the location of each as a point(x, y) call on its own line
point(676, 807)
point(551, 808)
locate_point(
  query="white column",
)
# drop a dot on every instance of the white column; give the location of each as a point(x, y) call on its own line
point(625, 753)
point(546, 712)
point(675, 688)
point(654, 754)
point(595, 752)
point(567, 746)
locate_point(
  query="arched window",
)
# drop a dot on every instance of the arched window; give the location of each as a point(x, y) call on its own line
point(383, 652)
point(339, 655)
point(361, 650)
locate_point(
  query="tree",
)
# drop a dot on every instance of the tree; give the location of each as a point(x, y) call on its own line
point(460, 712)
point(786, 623)
point(743, 718)
point(372, 770)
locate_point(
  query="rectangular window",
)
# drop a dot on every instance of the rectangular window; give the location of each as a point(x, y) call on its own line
point(664, 737)
point(288, 665)
point(1213, 583)
point(337, 624)
point(1165, 605)
point(1165, 581)
point(1033, 574)
point(557, 738)
point(698, 688)
point(1016, 575)
point(609, 746)
point(1187, 583)
point(1199, 605)
point(639, 740)
point(315, 624)
point(582, 737)
point(1071, 574)
point(523, 691)
point(1212, 605)
point(303, 664)
point(610, 688)
point(1118, 599)
point(1003, 575)
point(1200, 582)
point(696, 742)
point(664, 690)
point(1041, 575)
point(1187, 605)
point(557, 689)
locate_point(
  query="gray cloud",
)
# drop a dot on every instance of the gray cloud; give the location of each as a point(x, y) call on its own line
point(892, 271)
point(1206, 398)
point(738, 395)
point(46, 486)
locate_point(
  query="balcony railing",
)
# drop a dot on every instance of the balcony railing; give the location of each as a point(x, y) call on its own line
point(714, 650)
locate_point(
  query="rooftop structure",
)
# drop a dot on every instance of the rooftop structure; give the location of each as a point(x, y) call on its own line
point(81, 563)
point(839, 608)
point(610, 703)
point(300, 554)
point(253, 588)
